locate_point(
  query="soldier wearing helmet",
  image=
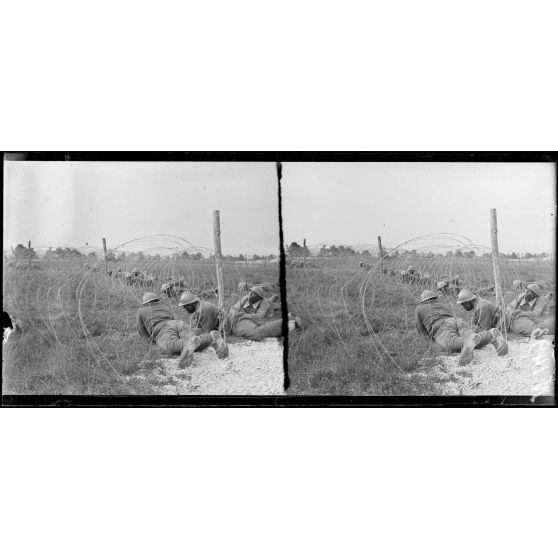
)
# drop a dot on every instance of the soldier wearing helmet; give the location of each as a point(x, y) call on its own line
point(156, 323)
point(204, 315)
point(435, 321)
point(255, 304)
point(251, 317)
point(169, 291)
point(529, 313)
point(486, 315)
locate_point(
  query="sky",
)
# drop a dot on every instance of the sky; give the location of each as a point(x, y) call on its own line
point(354, 203)
point(76, 204)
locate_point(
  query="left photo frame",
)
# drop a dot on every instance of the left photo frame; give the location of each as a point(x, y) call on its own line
point(142, 278)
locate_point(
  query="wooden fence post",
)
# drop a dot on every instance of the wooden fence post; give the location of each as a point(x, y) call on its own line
point(381, 253)
point(304, 253)
point(105, 254)
point(219, 267)
point(495, 254)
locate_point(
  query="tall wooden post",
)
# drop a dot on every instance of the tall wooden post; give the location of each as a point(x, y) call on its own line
point(381, 253)
point(495, 253)
point(304, 253)
point(105, 254)
point(219, 263)
point(29, 244)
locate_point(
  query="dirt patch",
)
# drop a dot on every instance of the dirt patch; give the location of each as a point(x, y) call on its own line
point(252, 368)
point(527, 369)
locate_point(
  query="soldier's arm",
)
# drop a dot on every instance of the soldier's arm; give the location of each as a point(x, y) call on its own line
point(482, 319)
point(207, 321)
point(541, 307)
point(420, 326)
point(265, 310)
point(513, 304)
point(142, 330)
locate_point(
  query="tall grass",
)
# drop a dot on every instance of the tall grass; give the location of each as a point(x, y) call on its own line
point(360, 335)
point(79, 328)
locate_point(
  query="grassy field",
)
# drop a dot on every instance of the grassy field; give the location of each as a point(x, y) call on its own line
point(79, 334)
point(359, 335)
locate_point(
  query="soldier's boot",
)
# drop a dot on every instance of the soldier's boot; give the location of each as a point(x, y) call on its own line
point(187, 354)
point(294, 322)
point(538, 332)
point(466, 355)
point(499, 342)
point(219, 344)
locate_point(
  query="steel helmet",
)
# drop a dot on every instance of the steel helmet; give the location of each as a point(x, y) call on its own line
point(427, 295)
point(149, 297)
point(411, 268)
point(441, 284)
point(187, 297)
point(533, 287)
point(165, 287)
point(135, 270)
point(465, 296)
point(258, 290)
point(127, 275)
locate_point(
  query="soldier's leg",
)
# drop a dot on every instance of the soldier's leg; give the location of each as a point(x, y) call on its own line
point(249, 330)
point(274, 328)
point(169, 338)
point(548, 323)
point(522, 326)
point(205, 341)
point(177, 338)
point(448, 337)
point(244, 327)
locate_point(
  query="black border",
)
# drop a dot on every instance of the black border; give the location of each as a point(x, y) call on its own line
point(272, 401)
point(291, 156)
point(286, 400)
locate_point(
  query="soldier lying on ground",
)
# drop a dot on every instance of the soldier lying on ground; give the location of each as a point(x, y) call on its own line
point(486, 315)
point(251, 317)
point(530, 312)
point(156, 323)
point(242, 321)
point(435, 321)
point(445, 288)
point(170, 291)
point(204, 316)
point(411, 275)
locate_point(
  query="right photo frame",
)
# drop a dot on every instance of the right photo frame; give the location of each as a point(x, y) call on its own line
point(421, 277)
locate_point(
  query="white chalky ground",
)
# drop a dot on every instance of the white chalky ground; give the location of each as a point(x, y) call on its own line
point(252, 368)
point(527, 369)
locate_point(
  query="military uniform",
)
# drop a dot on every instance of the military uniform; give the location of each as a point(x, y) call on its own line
point(524, 317)
point(244, 320)
point(206, 317)
point(486, 315)
point(156, 322)
point(435, 321)
point(261, 309)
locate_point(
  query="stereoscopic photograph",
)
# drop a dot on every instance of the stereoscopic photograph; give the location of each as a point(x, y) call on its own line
point(420, 278)
point(141, 278)
point(159, 278)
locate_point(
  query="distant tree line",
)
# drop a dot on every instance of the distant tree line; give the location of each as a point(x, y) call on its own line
point(295, 250)
point(22, 252)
